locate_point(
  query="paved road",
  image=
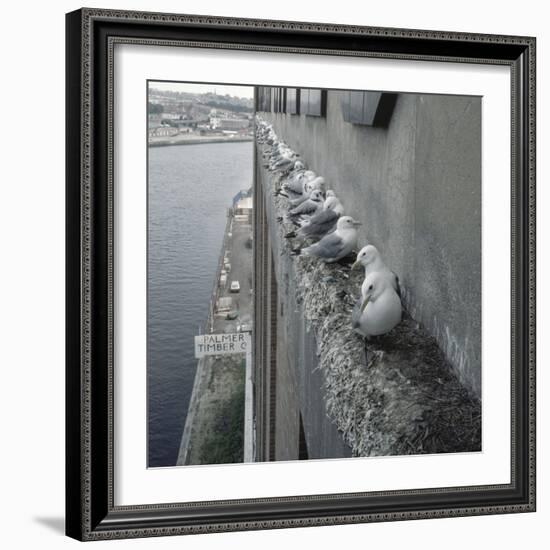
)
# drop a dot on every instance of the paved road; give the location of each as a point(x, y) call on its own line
point(240, 258)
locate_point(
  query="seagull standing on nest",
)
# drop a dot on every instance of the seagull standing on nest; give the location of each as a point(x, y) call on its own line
point(337, 245)
point(309, 186)
point(379, 309)
point(295, 184)
point(322, 222)
point(310, 206)
point(369, 257)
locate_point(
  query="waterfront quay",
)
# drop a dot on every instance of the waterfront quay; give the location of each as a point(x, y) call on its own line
point(194, 139)
point(214, 427)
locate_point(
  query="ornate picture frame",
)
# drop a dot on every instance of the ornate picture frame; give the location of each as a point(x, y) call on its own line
point(91, 512)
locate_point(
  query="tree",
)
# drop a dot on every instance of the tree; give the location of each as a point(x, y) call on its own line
point(154, 108)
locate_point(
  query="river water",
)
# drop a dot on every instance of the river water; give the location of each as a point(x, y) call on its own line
point(190, 189)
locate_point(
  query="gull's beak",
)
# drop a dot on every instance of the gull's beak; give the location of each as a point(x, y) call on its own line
point(365, 303)
point(356, 223)
point(355, 265)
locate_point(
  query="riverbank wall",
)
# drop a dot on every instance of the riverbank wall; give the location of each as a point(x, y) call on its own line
point(176, 140)
point(203, 364)
point(222, 389)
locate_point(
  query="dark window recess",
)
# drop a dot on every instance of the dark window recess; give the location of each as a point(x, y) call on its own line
point(313, 102)
point(317, 103)
point(345, 102)
point(293, 101)
point(356, 107)
point(302, 443)
point(260, 98)
point(304, 99)
point(263, 99)
point(368, 108)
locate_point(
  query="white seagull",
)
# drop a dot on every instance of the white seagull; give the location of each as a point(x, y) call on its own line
point(322, 222)
point(337, 245)
point(296, 182)
point(309, 186)
point(379, 309)
point(310, 206)
point(369, 257)
point(316, 183)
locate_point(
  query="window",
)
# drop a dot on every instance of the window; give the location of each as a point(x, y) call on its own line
point(368, 108)
point(263, 99)
point(293, 101)
point(313, 102)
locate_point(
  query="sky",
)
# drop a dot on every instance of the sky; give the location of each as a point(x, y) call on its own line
point(220, 89)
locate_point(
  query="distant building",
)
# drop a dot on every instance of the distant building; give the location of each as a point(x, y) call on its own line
point(234, 124)
point(163, 131)
point(242, 194)
point(242, 207)
point(183, 122)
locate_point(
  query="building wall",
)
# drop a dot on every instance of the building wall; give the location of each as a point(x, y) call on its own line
point(288, 382)
point(416, 186)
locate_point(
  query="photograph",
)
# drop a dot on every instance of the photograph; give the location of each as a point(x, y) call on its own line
point(270, 275)
point(314, 269)
point(302, 274)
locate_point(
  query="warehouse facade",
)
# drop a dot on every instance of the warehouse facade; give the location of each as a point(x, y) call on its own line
point(409, 167)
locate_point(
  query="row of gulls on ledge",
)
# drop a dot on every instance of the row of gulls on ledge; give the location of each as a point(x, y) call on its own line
point(326, 233)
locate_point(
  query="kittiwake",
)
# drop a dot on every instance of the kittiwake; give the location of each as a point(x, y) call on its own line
point(379, 309)
point(336, 245)
point(369, 257)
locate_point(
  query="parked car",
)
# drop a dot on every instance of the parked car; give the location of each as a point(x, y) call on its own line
point(232, 315)
point(245, 327)
point(224, 304)
point(235, 286)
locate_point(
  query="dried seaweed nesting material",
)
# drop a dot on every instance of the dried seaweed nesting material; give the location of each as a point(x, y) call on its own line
point(406, 400)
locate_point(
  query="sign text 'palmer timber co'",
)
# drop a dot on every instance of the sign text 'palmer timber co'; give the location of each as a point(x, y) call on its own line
point(221, 344)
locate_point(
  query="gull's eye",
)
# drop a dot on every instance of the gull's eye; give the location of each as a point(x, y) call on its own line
point(370, 287)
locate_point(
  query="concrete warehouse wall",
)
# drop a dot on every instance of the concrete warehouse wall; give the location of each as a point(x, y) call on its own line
point(288, 382)
point(416, 186)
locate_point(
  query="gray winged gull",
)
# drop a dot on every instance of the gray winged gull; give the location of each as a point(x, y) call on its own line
point(369, 257)
point(296, 182)
point(310, 206)
point(336, 245)
point(379, 309)
point(332, 200)
point(316, 183)
point(322, 222)
point(309, 186)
